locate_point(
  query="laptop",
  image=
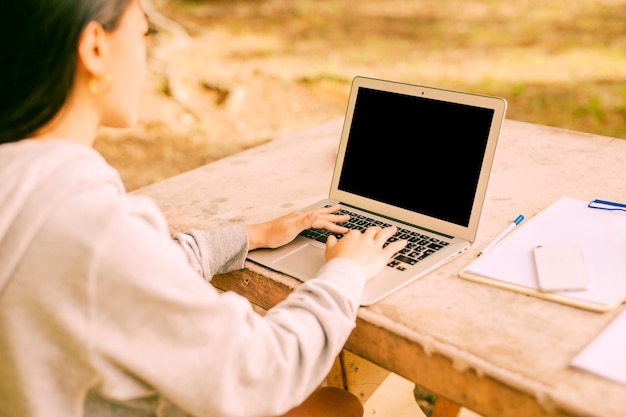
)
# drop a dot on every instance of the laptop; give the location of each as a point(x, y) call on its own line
point(413, 156)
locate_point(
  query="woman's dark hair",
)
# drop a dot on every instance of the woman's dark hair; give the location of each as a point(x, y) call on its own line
point(38, 57)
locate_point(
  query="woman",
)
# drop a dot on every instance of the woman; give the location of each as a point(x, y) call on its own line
point(102, 313)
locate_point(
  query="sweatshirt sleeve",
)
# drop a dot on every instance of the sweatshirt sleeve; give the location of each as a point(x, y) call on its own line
point(157, 328)
point(216, 251)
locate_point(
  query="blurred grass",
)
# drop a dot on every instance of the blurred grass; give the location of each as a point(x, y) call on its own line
point(557, 63)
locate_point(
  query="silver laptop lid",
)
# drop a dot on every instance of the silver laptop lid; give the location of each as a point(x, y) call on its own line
point(418, 154)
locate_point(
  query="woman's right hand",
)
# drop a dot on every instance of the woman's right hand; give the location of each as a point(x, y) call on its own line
point(366, 248)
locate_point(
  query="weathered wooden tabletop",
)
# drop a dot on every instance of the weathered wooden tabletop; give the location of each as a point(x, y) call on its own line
point(497, 352)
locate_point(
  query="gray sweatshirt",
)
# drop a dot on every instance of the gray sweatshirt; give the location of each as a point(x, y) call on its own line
point(102, 313)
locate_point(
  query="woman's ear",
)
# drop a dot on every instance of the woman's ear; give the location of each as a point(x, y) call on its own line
point(92, 49)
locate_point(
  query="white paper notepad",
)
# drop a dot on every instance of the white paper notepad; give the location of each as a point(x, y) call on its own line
point(600, 234)
point(606, 354)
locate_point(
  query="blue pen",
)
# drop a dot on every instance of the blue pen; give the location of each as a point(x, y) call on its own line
point(606, 205)
point(501, 236)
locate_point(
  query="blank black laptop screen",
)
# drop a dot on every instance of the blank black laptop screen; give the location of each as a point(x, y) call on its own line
point(417, 153)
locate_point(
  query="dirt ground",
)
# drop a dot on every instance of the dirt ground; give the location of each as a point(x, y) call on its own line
point(232, 74)
point(205, 99)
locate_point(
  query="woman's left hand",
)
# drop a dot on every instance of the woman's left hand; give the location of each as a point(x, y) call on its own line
point(283, 230)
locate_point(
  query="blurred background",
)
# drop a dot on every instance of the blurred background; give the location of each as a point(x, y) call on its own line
point(226, 75)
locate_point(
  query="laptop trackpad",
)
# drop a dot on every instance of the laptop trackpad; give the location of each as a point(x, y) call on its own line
point(303, 263)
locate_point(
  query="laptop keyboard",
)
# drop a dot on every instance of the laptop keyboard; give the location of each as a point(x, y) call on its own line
point(419, 245)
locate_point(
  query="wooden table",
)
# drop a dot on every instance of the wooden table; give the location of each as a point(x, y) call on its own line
point(491, 350)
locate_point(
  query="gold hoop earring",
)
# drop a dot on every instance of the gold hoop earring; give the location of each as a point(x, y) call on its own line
point(100, 84)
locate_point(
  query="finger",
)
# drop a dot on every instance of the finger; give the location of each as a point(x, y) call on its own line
point(338, 218)
point(326, 221)
point(333, 218)
point(386, 233)
point(315, 219)
point(351, 235)
point(331, 209)
point(372, 231)
point(395, 247)
point(331, 241)
point(324, 211)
